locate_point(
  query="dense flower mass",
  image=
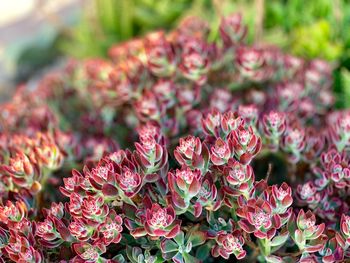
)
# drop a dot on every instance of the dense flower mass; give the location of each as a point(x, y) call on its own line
point(177, 149)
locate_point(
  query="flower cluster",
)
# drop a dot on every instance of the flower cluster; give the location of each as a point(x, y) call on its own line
point(177, 149)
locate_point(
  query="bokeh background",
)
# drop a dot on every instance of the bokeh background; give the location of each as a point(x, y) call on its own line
point(38, 35)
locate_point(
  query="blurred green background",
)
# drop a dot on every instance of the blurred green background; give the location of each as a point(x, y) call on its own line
point(309, 29)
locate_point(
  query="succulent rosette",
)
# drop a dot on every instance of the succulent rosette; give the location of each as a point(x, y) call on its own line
point(231, 121)
point(192, 153)
point(211, 123)
point(332, 251)
point(307, 235)
point(111, 228)
point(153, 220)
point(13, 213)
point(227, 244)
point(89, 253)
point(195, 61)
point(129, 181)
point(23, 171)
point(281, 198)
point(246, 144)
point(208, 197)
point(80, 230)
point(240, 178)
point(251, 64)
point(47, 231)
point(340, 132)
point(232, 29)
point(294, 143)
point(220, 152)
point(152, 155)
point(160, 55)
point(20, 249)
point(274, 125)
point(184, 184)
point(343, 238)
point(257, 217)
point(249, 113)
point(93, 209)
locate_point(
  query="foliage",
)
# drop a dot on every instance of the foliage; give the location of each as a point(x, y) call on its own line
point(167, 152)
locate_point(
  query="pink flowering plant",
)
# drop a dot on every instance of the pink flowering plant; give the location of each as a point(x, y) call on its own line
point(177, 149)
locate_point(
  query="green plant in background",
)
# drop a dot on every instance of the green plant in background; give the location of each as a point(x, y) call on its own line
point(106, 22)
point(316, 41)
point(313, 29)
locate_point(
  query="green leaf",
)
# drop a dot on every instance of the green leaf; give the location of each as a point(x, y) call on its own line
point(203, 251)
point(119, 258)
point(197, 238)
point(279, 240)
point(274, 259)
point(178, 258)
point(180, 238)
point(299, 239)
point(168, 245)
point(190, 259)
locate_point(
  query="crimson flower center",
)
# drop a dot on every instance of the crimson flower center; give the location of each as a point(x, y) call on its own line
point(159, 218)
point(232, 243)
point(244, 137)
point(260, 219)
point(307, 190)
point(187, 144)
point(129, 179)
point(238, 174)
point(90, 253)
point(309, 223)
point(186, 175)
